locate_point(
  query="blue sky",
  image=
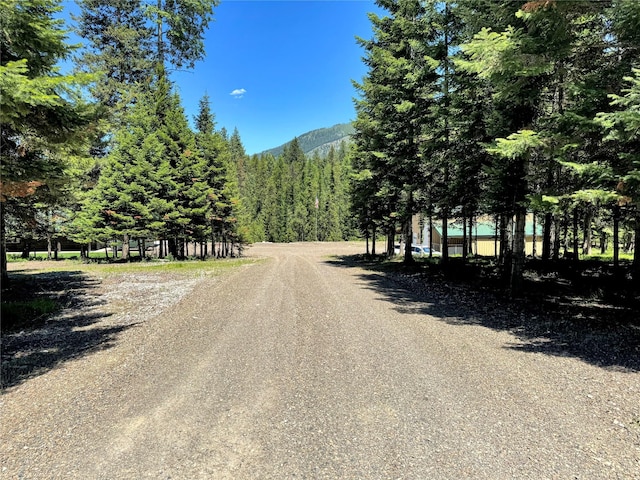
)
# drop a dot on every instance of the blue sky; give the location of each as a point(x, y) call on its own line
point(277, 69)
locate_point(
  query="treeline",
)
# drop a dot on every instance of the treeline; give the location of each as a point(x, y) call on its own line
point(161, 180)
point(294, 197)
point(505, 109)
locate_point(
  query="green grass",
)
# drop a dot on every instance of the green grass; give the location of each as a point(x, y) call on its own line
point(607, 257)
point(95, 255)
point(185, 267)
point(26, 312)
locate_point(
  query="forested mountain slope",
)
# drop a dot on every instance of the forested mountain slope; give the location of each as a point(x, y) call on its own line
point(320, 140)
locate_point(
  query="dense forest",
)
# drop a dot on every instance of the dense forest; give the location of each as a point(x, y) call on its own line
point(294, 197)
point(469, 108)
point(505, 109)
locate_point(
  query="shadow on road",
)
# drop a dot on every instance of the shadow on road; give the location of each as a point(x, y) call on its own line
point(586, 331)
point(31, 348)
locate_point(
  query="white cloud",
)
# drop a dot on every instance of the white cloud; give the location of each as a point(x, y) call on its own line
point(238, 92)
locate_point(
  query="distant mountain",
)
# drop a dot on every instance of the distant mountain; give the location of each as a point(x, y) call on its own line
point(320, 140)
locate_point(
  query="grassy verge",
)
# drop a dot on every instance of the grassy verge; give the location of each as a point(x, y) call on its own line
point(40, 256)
point(187, 268)
point(102, 269)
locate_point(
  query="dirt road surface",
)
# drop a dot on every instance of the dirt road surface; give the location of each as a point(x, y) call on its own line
point(301, 367)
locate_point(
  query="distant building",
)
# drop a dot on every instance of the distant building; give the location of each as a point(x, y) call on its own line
point(484, 239)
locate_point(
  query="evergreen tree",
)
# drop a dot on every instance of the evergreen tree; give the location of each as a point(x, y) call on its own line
point(119, 45)
point(394, 99)
point(43, 117)
point(127, 38)
point(230, 203)
point(515, 63)
point(623, 126)
point(130, 200)
point(185, 186)
point(297, 201)
point(212, 148)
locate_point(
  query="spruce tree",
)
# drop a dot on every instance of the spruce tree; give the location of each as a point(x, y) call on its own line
point(213, 149)
point(130, 200)
point(119, 44)
point(623, 126)
point(43, 117)
point(395, 98)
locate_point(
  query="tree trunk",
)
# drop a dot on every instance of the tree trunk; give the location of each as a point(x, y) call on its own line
point(430, 234)
point(408, 232)
point(518, 253)
point(445, 239)
point(565, 235)
point(628, 242)
point(636, 248)
point(445, 208)
point(373, 241)
point(496, 236)
point(470, 237)
point(502, 232)
point(556, 238)
point(616, 236)
point(546, 236)
point(575, 234)
point(172, 247)
point(506, 247)
point(26, 249)
point(391, 237)
point(408, 237)
point(586, 244)
point(125, 247)
point(3, 249)
point(464, 238)
point(49, 247)
point(534, 251)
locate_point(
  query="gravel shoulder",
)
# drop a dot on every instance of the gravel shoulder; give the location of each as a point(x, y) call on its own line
point(302, 367)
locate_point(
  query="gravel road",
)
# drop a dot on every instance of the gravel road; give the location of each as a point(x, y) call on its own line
point(300, 367)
